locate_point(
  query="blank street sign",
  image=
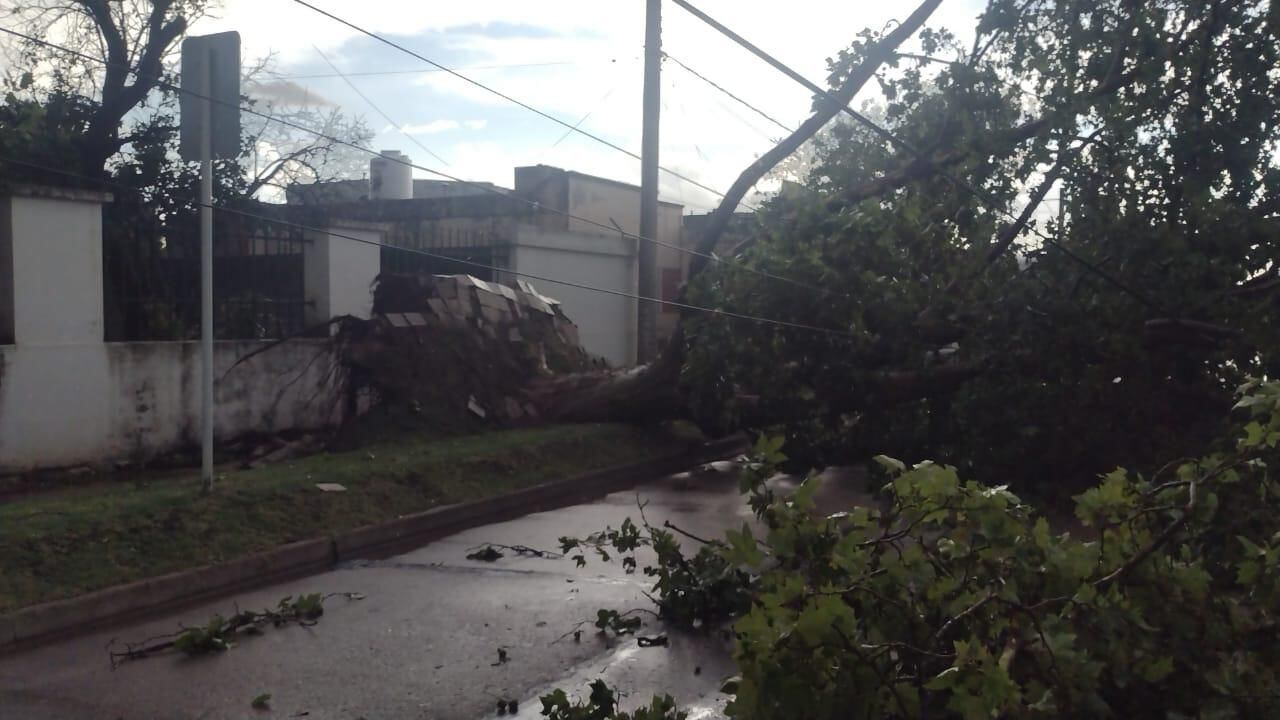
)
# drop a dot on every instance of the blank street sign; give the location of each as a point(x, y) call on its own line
point(211, 69)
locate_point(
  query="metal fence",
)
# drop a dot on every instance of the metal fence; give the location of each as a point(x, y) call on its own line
point(453, 251)
point(152, 279)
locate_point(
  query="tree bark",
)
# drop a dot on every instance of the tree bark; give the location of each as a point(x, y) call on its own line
point(102, 139)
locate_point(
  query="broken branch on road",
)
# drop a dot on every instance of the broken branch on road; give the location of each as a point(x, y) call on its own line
point(489, 552)
point(218, 634)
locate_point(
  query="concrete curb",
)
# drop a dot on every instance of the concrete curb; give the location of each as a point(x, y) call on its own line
point(49, 621)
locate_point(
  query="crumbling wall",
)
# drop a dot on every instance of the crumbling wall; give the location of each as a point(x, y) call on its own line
point(459, 350)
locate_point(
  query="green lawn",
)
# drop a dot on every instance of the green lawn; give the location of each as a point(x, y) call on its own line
point(73, 541)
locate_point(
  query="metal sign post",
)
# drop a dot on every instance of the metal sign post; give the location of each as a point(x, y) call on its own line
point(210, 121)
point(646, 248)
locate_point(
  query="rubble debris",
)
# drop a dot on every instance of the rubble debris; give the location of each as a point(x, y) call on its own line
point(462, 352)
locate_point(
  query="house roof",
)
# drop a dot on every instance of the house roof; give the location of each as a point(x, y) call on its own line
point(603, 180)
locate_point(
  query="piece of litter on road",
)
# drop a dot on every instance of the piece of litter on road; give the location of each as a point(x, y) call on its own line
point(656, 641)
point(331, 487)
point(502, 658)
point(486, 554)
point(475, 407)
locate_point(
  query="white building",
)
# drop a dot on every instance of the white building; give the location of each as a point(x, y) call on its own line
point(554, 225)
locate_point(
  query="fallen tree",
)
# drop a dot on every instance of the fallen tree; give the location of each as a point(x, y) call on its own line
point(1058, 243)
point(963, 314)
point(651, 392)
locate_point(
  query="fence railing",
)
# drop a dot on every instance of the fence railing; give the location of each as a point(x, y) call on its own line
point(453, 250)
point(152, 280)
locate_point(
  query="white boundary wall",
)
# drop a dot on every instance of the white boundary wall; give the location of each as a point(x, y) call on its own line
point(68, 398)
point(96, 403)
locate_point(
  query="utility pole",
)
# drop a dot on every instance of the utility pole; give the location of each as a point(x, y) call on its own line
point(647, 250)
point(210, 129)
point(206, 289)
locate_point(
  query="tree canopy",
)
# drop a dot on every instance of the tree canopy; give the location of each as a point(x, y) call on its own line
point(1063, 247)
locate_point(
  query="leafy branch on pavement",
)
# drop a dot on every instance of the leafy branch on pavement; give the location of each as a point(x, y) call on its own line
point(958, 600)
point(691, 592)
point(219, 633)
point(602, 704)
point(489, 552)
point(609, 621)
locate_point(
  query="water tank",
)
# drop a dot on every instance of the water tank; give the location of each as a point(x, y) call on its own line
point(390, 177)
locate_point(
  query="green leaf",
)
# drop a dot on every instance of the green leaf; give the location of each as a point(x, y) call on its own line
point(1254, 433)
point(1040, 534)
point(261, 702)
point(803, 497)
point(743, 549)
point(894, 466)
point(944, 679)
point(1156, 671)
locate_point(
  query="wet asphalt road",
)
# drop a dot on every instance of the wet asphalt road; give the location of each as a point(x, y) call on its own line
point(424, 642)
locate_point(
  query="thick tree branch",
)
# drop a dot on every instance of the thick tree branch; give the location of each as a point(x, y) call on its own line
point(876, 56)
point(160, 38)
point(267, 176)
point(1257, 285)
point(902, 385)
point(921, 166)
point(1010, 232)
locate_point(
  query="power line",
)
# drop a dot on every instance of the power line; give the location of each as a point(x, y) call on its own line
point(377, 109)
point(440, 173)
point(893, 139)
point(450, 258)
point(585, 117)
point(717, 86)
point(420, 71)
point(504, 96)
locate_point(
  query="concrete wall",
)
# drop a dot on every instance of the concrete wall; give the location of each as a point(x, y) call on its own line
point(606, 323)
point(68, 398)
point(608, 202)
point(95, 403)
point(51, 243)
point(6, 271)
point(339, 272)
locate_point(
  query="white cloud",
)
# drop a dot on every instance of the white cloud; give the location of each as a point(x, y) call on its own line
point(431, 128)
point(596, 48)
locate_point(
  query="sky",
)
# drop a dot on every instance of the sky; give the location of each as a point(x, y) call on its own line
point(572, 59)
